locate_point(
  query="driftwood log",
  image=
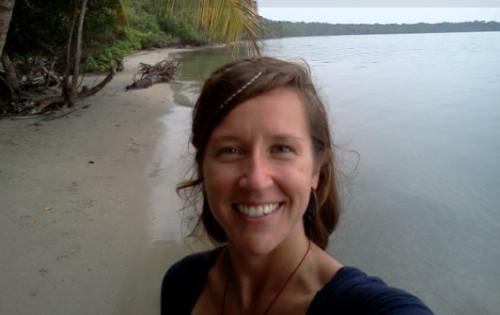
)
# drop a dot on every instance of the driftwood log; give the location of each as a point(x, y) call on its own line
point(162, 71)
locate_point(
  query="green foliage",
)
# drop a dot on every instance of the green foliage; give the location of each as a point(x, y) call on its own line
point(143, 21)
point(178, 28)
point(48, 37)
point(106, 38)
point(105, 41)
point(102, 55)
point(43, 38)
point(278, 29)
point(158, 27)
point(226, 21)
point(155, 40)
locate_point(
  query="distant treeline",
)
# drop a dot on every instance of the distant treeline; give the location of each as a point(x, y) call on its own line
point(278, 29)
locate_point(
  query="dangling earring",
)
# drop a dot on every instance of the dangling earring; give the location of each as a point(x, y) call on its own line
point(312, 207)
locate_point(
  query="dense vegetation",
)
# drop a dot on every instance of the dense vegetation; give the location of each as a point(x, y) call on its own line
point(49, 43)
point(109, 32)
point(278, 29)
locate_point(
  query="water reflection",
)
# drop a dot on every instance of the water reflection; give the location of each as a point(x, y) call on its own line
point(196, 66)
point(168, 167)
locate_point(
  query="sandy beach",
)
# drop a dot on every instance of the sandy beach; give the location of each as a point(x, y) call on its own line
point(89, 218)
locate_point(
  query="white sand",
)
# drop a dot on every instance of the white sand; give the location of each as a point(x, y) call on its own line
point(88, 221)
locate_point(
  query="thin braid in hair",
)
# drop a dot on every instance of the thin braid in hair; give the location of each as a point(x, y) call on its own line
point(240, 90)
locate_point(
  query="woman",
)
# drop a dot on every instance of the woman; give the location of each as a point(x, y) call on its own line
point(265, 173)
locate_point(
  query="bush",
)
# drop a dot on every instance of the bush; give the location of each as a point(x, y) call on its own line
point(179, 29)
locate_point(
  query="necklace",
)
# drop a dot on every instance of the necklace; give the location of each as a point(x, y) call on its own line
point(280, 290)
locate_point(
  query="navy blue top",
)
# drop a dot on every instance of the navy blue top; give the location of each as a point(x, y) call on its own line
point(349, 291)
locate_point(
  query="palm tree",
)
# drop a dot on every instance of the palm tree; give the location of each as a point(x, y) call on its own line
point(6, 8)
point(229, 21)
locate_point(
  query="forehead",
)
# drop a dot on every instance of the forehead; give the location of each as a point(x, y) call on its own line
point(280, 111)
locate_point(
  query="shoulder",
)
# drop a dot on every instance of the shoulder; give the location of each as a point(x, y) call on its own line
point(184, 281)
point(197, 261)
point(351, 291)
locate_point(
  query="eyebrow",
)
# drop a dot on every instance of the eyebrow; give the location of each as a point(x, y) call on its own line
point(279, 137)
point(223, 138)
point(285, 137)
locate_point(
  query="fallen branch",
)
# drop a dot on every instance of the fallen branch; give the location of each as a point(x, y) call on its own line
point(162, 71)
point(86, 92)
point(40, 106)
point(144, 82)
point(49, 74)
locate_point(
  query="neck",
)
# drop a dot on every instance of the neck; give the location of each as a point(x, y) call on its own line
point(260, 278)
point(270, 262)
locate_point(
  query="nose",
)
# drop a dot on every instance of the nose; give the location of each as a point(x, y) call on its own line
point(256, 175)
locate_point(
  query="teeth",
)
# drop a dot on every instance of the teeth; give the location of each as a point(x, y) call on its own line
point(257, 211)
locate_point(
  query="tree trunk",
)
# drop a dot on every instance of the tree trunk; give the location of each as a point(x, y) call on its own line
point(41, 105)
point(11, 76)
point(73, 94)
point(6, 8)
point(66, 86)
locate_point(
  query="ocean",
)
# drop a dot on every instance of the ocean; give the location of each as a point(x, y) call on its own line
point(417, 118)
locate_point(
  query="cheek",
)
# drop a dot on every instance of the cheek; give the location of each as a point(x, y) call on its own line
point(216, 181)
point(297, 180)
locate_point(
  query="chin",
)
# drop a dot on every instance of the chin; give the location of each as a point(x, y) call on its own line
point(256, 244)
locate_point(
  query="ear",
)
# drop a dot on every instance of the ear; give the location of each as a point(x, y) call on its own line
point(315, 177)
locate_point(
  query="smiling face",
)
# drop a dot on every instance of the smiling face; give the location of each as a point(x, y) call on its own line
point(258, 171)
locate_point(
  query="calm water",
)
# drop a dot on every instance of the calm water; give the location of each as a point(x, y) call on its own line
point(423, 112)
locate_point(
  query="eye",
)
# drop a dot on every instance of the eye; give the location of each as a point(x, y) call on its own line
point(228, 150)
point(280, 148)
point(228, 153)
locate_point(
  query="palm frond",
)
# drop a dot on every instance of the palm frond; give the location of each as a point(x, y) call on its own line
point(120, 13)
point(230, 21)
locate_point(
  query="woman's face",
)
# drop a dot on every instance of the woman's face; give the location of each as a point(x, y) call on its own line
point(258, 172)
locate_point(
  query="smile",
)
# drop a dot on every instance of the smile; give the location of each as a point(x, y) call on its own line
point(257, 211)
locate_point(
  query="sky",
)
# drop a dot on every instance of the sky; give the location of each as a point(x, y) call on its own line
point(380, 11)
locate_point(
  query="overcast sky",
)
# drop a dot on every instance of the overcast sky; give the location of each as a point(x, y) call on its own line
point(380, 11)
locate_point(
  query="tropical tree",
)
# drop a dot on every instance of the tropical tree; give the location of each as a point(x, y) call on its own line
point(53, 48)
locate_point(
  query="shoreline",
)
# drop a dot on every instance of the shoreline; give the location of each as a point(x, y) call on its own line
point(78, 203)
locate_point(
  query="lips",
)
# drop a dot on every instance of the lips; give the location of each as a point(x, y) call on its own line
point(257, 211)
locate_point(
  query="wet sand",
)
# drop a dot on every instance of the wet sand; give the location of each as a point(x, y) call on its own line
point(88, 219)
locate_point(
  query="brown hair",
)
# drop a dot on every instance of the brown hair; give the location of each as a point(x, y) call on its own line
point(231, 85)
